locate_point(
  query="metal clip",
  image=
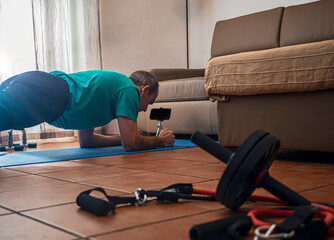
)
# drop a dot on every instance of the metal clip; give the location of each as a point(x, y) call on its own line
point(140, 200)
point(265, 232)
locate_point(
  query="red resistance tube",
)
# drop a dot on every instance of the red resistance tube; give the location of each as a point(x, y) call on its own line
point(327, 213)
point(327, 217)
point(204, 192)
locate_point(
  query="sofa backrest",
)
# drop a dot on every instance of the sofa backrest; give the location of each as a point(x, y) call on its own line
point(309, 22)
point(251, 32)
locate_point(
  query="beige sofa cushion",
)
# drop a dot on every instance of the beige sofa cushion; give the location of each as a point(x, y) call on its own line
point(251, 32)
point(309, 22)
point(186, 89)
point(298, 68)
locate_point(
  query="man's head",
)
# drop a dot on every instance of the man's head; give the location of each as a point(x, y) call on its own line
point(148, 86)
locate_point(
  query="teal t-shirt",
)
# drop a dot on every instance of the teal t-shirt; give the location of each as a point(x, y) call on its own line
point(97, 97)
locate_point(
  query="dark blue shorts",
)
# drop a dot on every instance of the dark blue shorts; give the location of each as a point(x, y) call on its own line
point(31, 98)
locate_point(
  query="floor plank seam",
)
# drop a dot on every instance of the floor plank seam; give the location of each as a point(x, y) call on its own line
point(312, 189)
point(50, 225)
point(150, 224)
point(44, 207)
point(106, 188)
point(178, 174)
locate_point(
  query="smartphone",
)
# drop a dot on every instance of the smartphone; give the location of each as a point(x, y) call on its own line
point(160, 114)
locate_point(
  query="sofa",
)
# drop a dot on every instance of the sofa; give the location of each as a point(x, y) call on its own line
point(271, 70)
point(183, 91)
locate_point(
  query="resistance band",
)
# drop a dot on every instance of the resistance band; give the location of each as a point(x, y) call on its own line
point(235, 226)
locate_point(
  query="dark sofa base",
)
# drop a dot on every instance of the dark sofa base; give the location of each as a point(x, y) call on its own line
point(302, 121)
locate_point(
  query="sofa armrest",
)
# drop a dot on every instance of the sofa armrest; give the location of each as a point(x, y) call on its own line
point(163, 74)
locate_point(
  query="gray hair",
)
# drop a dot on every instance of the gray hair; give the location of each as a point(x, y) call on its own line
point(142, 78)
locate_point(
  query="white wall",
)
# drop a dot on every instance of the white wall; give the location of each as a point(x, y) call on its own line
point(203, 14)
point(143, 34)
point(136, 34)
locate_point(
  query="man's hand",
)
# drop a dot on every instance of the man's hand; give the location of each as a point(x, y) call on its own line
point(132, 140)
point(168, 137)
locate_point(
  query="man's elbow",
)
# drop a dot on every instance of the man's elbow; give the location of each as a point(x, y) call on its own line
point(84, 143)
point(129, 146)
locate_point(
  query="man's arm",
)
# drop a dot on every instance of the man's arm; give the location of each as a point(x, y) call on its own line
point(132, 140)
point(89, 139)
point(130, 137)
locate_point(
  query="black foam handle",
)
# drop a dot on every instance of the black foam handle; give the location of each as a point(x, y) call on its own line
point(219, 228)
point(282, 192)
point(211, 146)
point(94, 205)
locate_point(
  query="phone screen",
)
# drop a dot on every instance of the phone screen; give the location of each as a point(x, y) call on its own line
point(160, 114)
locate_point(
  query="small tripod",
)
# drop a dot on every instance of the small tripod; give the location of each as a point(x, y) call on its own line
point(159, 127)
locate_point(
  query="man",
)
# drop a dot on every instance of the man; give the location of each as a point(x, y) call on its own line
point(83, 101)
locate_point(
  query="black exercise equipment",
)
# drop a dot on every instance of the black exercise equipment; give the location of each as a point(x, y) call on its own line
point(160, 114)
point(301, 223)
point(227, 228)
point(17, 147)
point(99, 206)
point(171, 193)
point(24, 141)
point(247, 169)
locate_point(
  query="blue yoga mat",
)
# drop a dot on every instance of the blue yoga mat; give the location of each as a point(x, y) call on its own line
point(23, 158)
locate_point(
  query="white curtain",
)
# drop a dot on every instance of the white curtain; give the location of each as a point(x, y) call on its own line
point(48, 35)
point(67, 38)
point(67, 35)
